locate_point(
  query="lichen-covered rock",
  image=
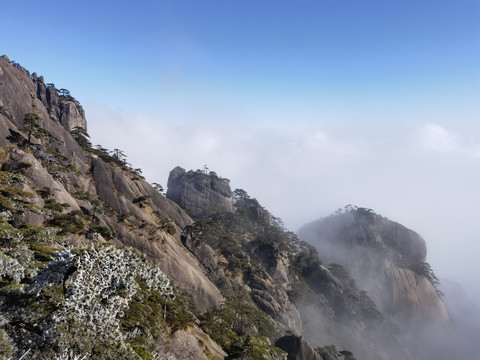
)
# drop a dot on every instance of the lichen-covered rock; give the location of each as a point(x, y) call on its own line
point(199, 193)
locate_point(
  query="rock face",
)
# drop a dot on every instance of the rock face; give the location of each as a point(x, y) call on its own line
point(49, 181)
point(297, 348)
point(198, 192)
point(60, 106)
point(387, 260)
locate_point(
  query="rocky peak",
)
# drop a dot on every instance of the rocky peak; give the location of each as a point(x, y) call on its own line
point(385, 258)
point(199, 192)
point(27, 91)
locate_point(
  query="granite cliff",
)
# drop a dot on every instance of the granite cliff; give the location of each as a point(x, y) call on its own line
point(388, 261)
point(385, 258)
point(199, 192)
point(95, 262)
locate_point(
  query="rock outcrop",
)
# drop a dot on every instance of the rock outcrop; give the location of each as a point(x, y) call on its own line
point(387, 261)
point(198, 192)
point(60, 106)
point(385, 258)
point(297, 348)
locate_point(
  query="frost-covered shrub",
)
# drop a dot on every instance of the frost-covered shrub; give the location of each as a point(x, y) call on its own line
point(104, 283)
point(100, 284)
point(25, 256)
point(10, 268)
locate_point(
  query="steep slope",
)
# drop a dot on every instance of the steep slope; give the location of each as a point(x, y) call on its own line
point(249, 256)
point(79, 177)
point(57, 191)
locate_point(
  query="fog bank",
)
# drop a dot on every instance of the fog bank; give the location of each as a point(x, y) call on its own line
point(422, 175)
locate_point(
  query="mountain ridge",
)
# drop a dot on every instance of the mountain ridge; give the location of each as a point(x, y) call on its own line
point(247, 282)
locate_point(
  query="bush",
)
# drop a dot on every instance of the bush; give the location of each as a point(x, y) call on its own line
point(235, 321)
point(69, 223)
point(106, 231)
point(54, 206)
point(140, 201)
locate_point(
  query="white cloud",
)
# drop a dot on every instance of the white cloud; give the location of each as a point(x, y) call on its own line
point(435, 137)
point(425, 178)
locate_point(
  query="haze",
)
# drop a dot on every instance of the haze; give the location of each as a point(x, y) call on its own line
point(307, 105)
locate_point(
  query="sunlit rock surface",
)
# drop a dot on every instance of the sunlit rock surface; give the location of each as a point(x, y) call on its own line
point(199, 192)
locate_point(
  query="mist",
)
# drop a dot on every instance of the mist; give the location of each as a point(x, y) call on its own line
point(421, 175)
point(424, 176)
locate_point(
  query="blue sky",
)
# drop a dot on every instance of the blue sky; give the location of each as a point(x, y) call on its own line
point(307, 105)
point(270, 60)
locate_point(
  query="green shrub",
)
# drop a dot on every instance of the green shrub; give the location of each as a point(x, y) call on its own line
point(167, 225)
point(235, 321)
point(106, 231)
point(260, 347)
point(44, 192)
point(54, 206)
point(6, 346)
point(140, 201)
point(69, 223)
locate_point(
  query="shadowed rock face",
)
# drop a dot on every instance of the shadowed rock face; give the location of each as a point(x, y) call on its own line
point(385, 258)
point(297, 348)
point(198, 192)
